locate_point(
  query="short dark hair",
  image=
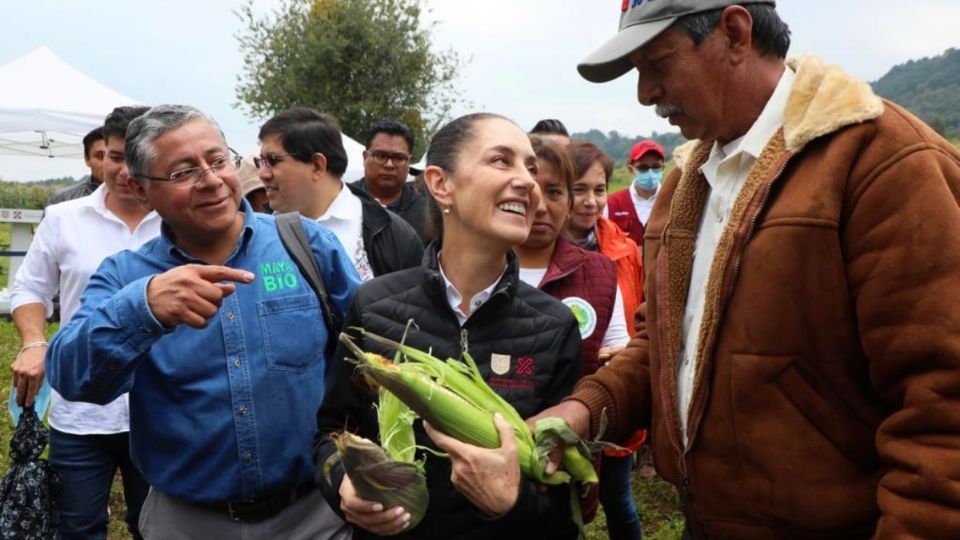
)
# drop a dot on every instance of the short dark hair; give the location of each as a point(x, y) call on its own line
point(96, 134)
point(391, 127)
point(771, 36)
point(304, 131)
point(115, 124)
point(585, 154)
point(550, 126)
point(558, 157)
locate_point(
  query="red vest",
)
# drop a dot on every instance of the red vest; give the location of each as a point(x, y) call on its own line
point(620, 210)
point(587, 283)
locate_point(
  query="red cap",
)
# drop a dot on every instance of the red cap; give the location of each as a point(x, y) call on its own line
point(645, 146)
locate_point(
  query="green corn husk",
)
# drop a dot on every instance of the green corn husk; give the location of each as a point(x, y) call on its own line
point(378, 478)
point(454, 397)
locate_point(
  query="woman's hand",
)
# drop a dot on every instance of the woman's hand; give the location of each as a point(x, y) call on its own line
point(371, 515)
point(488, 478)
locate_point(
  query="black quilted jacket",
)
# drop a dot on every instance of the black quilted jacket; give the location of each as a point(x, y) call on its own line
point(538, 334)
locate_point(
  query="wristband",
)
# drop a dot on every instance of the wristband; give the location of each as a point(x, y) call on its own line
point(32, 345)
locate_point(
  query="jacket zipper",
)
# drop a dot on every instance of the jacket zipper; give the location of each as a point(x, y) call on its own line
point(694, 424)
point(464, 343)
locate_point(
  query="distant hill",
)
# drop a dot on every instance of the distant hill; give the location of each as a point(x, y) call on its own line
point(618, 146)
point(929, 88)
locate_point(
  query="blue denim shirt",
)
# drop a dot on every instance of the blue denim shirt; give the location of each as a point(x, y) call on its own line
point(223, 413)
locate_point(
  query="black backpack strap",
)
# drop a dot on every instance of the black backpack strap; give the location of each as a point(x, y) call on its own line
point(294, 238)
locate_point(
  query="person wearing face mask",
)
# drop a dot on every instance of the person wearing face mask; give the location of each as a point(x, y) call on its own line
point(630, 207)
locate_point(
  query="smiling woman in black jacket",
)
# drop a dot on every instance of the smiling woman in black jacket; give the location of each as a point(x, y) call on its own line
point(466, 296)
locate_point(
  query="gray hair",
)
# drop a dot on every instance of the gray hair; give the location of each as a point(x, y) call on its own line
point(145, 129)
point(771, 36)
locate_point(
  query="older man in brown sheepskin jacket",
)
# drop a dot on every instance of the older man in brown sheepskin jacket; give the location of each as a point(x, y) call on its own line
point(798, 355)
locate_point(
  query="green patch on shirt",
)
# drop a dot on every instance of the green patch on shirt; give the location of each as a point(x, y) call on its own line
point(278, 276)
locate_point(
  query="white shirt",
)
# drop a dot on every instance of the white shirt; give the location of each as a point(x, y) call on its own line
point(641, 205)
point(616, 335)
point(455, 298)
point(344, 218)
point(69, 245)
point(725, 171)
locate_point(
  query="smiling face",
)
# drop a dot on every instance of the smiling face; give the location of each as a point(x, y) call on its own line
point(589, 200)
point(288, 182)
point(552, 211)
point(115, 174)
point(687, 84)
point(211, 207)
point(492, 193)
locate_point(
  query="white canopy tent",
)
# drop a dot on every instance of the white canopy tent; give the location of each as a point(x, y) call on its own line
point(47, 106)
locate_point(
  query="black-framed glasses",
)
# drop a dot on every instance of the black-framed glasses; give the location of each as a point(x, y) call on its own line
point(271, 160)
point(191, 176)
point(381, 158)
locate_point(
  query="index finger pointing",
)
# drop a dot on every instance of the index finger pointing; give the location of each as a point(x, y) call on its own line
point(215, 274)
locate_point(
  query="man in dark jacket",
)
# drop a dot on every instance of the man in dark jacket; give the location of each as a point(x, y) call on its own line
point(386, 164)
point(797, 357)
point(301, 163)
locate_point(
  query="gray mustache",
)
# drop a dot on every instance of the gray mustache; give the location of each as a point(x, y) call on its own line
point(664, 110)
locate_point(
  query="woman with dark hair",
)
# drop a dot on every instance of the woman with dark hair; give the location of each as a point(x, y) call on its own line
point(466, 297)
point(590, 230)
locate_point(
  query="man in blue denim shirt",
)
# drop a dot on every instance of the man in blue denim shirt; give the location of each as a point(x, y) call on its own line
point(219, 340)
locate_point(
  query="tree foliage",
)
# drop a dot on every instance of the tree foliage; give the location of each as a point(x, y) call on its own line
point(360, 60)
point(929, 88)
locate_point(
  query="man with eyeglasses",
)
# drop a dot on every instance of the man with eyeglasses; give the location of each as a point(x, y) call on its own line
point(630, 207)
point(301, 163)
point(89, 442)
point(386, 164)
point(196, 326)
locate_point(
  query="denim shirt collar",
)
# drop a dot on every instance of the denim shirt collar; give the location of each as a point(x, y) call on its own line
point(169, 247)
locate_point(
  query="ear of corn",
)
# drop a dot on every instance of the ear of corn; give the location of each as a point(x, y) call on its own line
point(376, 477)
point(453, 397)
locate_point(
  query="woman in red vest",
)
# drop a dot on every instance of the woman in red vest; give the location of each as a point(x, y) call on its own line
point(586, 281)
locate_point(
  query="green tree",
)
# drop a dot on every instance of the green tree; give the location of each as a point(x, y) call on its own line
point(360, 60)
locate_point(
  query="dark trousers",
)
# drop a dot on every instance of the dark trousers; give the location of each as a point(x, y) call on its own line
point(616, 496)
point(87, 464)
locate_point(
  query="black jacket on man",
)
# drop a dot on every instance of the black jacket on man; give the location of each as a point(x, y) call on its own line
point(390, 242)
point(412, 206)
point(527, 347)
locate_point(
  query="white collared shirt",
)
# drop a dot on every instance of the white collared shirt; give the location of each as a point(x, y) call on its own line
point(726, 171)
point(641, 205)
point(72, 240)
point(344, 218)
point(455, 298)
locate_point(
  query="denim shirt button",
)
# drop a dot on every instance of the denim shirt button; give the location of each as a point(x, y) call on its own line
point(236, 362)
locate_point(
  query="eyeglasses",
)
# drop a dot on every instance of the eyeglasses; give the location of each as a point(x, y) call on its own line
point(192, 176)
point(645, 168)
point(381, 158)
point(271, 160)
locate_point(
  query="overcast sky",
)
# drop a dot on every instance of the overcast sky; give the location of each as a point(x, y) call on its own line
point(520, 55)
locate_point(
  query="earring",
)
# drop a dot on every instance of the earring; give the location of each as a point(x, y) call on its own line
point(446, 211)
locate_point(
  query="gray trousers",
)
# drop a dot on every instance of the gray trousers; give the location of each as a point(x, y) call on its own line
point(166, 518)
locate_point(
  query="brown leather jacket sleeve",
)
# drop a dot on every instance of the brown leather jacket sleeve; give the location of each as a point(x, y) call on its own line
point(902, 242)
point(621, 388)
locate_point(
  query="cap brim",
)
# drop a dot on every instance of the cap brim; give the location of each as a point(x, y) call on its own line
point(610, 60)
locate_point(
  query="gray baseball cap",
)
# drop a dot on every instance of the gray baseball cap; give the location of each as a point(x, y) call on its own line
point(641, 21)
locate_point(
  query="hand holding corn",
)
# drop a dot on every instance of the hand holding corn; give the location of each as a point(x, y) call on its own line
point(488, 478)
point(371, 515)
